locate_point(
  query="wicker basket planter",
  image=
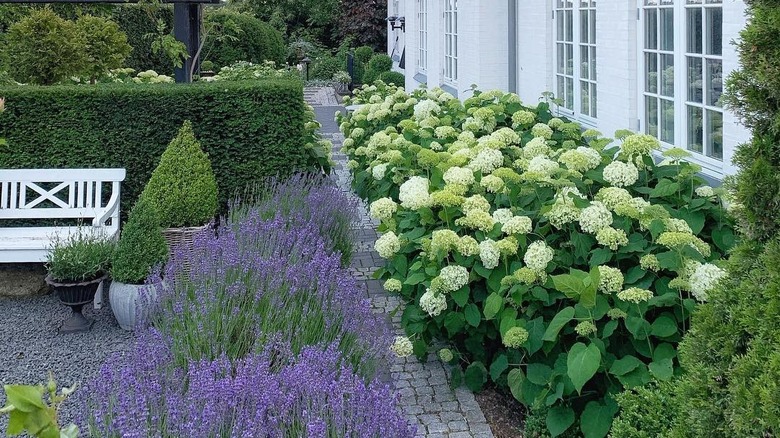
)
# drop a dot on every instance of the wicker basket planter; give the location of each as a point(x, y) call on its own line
point(182, 239)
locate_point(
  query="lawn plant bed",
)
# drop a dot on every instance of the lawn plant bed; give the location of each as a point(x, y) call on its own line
point(266, 334)
point(559, 265)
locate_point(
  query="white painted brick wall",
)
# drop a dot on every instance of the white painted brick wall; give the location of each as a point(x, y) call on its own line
point(483, 55)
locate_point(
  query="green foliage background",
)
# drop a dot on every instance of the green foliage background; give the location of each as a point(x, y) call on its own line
point(250, 130)
point(256, 42)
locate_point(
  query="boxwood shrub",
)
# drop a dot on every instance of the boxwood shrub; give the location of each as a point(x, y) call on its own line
point(249, 130)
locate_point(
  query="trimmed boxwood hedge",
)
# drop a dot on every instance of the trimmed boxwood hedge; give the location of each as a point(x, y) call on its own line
point(250, 130)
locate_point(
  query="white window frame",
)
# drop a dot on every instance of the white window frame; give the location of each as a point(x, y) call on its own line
point(422, 36)
point(583, 80)
point(710, 165)
point(450, 61)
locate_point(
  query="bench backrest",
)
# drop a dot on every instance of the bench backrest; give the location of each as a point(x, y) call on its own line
point(57, 193)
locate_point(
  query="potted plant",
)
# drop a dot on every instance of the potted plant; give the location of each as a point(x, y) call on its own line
point(183, 189)
point(342, 80)
point(141, 247)
point(77, 265)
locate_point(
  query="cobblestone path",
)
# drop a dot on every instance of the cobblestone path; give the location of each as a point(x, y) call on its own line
point(426, 396)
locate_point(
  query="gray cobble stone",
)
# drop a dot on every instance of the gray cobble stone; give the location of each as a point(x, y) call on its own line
point(423, 387)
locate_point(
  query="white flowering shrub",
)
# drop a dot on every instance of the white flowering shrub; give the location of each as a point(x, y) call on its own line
point(559, 264)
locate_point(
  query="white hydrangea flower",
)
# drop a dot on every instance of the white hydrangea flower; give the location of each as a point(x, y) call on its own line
point(595, 217)
point(613, 196)
point(486, 161)
point(489, 253)
point(704, 279)
point(383, 208)
point(677, 225)
point(536, 147)
point(538, 255)
point(492, 183)
point(432, 303)
point(621, 174)
point(459, 175)
point(541, 165)
point(517, 225)
point(425, 109)
point(610, 279)
point(378, 171)
point(502, 215)
point(402, 346)
point(705, 191)
point(453, 277)
point(581, 159)
point(387, 245)
point(393, 285)
point(542, 130)
point(357, 133)
point(413, 193)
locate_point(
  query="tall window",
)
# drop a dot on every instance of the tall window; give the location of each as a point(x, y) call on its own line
point(682, 106)
point(451, 41)
point(422, 36)
point(575, 56)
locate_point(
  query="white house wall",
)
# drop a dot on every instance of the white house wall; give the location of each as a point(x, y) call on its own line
point(483, 57)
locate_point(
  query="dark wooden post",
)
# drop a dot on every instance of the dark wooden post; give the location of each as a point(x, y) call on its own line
point(186, 28)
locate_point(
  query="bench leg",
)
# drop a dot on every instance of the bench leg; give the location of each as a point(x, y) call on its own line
point(98, 303)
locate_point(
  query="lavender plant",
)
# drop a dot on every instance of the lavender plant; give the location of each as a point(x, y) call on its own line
point(266, 394)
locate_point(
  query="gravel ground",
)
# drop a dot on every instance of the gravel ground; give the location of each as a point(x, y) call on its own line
point(30, 345)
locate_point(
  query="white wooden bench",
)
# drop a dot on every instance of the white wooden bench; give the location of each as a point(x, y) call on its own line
point(52, 194)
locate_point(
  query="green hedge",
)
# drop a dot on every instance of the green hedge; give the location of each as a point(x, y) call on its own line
point(255, 42)
point(249, 130)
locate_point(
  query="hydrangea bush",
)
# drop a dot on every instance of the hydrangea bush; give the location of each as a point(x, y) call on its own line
point(558, 264)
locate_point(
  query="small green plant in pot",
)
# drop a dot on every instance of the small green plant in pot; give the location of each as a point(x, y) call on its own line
point(141, 248)
point(77, 265)
point(183, 189)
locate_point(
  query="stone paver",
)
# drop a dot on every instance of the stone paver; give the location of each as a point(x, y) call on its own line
point(426, 396)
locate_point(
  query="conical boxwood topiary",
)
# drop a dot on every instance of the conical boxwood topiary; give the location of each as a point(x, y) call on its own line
point(183, 188)
point(141, 246)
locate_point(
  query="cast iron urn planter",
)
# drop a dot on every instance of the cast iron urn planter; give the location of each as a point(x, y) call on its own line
point(75, 296)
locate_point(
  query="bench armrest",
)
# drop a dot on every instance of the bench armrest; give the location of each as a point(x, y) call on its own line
point(111, 210)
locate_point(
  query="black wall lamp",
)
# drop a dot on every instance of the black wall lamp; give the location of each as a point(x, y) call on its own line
point(397, 23)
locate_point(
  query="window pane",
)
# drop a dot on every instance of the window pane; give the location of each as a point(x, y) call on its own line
point(651, 29)
point(667, 29)
point(569, 25)
point(695, 79)
point(584, 62)
point(593, 100)
point(585, 100)
point(561, 58)
point(593, 63)
point(694, 30)
point(714, 82)
point(651, 116)
point(651, 72)
point(714, 31)
point(667, 121)
point(695, 132)
point(593, 24)
point(715, 134)
point(560, 25)
point(569, 59)
point(584, 28)
point(570, 93)
point(560, 92)
point(667, 75)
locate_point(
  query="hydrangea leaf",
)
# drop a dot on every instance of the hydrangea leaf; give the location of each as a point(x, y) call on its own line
point(559, 419)
point(664, 350)
point(662, 369)
point(625, 365)
point(582, 363)
point(596, 419)
point(471, 313)
point(461, 296)
point(493, 305)
point(538, 373)
point(664, 326)
point(475, 376)
point(515, 380)
point(497, 368)
point(559, 320)
point(454, 323)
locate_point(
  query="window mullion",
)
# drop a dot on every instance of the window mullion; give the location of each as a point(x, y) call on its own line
point(680, 75)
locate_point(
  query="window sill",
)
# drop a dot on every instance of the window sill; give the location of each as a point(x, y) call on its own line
point(420, 78)
point(450, 89)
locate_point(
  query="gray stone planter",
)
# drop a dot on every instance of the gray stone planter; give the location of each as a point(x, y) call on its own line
point(128, 304)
